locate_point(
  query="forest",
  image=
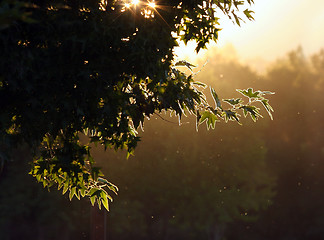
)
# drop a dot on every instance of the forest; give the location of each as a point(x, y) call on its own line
point(261, 180)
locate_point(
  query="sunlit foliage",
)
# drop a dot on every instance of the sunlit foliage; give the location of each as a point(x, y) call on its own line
point(100, 68)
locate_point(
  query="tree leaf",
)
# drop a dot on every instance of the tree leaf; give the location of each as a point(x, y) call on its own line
point(184, 63)
point(231, 115)
point(65, 187)
point(247, 13)
point(267, 106)
point(72, 193)
point(83, 192)
point(233, 101)
point(93, 200)
point(252, 110)
point(210, 119)
point(249, 93)
point(104, 201)
point(198, 117)
point(215, 97)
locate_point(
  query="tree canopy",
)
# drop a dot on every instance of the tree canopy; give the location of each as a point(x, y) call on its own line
point(100, 68)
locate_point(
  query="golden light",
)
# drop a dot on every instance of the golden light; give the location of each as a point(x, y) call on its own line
point(152, 4)
point(135, 2)
point(188, 53)
point(128, 4)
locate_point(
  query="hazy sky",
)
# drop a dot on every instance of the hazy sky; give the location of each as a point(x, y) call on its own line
point(279, 26)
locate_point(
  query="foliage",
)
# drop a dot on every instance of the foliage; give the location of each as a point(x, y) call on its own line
point(28, 212)
point(11, 11)
point(211, 115)
point(99, 68)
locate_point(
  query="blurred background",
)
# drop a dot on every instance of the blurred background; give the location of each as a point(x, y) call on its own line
point(262, 180)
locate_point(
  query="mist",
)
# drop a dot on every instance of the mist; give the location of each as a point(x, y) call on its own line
point(280, 26)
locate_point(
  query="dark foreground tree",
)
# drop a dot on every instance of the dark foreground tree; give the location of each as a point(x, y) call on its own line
point(99, 68)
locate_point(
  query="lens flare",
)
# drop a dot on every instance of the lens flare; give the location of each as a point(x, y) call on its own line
point(152, 4)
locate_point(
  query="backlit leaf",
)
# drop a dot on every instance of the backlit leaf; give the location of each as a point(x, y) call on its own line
point(215, 97)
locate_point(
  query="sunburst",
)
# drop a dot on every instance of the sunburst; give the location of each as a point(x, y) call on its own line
point(151, 4)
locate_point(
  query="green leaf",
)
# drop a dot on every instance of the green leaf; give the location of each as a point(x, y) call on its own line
point(200, 84)
point(249, 93)
point(252, 110)
point(129, 153)
point(104, 201)
point(231, 115)
point(99, 203)
point(237, 19)
point(65, 187)
point(102, 180)
point(215, 97)
point(247, 13)
point(266, 92)
point(72, 193)
point(94, 192)
point(93, 200)
point(184, 63)
point(210, 119)
point(112, 187)
point(77, 195)
point(83, 192)
point(267, 106)
point(233, 101)
point(198, 117)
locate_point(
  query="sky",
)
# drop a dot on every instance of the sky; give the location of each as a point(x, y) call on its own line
point(279, 27)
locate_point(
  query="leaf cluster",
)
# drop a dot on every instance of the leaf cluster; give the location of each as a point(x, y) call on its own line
point(11, 11)
point(211, 115)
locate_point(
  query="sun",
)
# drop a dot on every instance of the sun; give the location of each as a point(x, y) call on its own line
point(152, 4)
